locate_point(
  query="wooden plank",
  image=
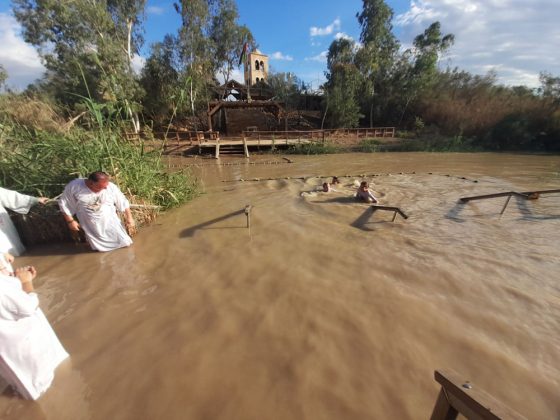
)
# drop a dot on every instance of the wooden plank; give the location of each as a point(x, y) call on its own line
point(483, 197)
point(533, 195)
point(471, 401)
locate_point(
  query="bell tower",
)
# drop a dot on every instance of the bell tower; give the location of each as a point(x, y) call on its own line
point(256, 68)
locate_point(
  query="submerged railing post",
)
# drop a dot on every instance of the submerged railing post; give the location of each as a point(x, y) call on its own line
point(505, 205)
point(217, 148)
point(245, 148)
point(248, 208)
point(395, 210)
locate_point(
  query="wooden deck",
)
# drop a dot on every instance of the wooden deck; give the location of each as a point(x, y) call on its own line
point(178, 142)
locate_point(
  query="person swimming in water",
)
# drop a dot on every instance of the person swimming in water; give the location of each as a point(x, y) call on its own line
point(363, 193)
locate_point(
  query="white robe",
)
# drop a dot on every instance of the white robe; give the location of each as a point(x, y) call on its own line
point(29, 348)
point(20, 203)
point(97, 214)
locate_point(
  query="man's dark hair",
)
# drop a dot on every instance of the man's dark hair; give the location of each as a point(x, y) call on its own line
point(98, 176)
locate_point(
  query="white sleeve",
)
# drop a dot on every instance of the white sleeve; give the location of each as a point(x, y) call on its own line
point(67, 201)
point(121, 203)
point(17, 202)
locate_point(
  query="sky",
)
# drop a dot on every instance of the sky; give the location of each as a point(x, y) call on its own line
point(515, 38)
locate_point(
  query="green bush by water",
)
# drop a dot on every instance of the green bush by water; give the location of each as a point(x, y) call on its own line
point(312, 149)
point(369, 145)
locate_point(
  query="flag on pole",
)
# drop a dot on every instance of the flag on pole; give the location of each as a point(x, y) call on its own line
point(243, 55)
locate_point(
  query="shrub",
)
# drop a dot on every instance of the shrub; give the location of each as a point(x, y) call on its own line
point(512, 133)
point(312, 149)
point(369, 145)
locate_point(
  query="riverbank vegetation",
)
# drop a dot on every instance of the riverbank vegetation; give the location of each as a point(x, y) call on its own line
point(88, 49)
point(40, 154)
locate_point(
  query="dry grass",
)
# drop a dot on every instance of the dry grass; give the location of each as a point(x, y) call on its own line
point(32, 113)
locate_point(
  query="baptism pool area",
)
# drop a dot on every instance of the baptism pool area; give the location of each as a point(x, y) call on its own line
point(319, 308)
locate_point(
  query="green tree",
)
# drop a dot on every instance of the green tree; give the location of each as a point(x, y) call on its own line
point(550, 86)
point(228, 38)
point(160, 81)
point(377, 56)
point(417, 69)
point(196, 50)
point(343, 83)
point(86, 46)
point(286, 88)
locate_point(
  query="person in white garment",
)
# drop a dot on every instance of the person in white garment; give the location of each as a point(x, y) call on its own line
point(20, 203)
point(29, 348)
point(95, 201)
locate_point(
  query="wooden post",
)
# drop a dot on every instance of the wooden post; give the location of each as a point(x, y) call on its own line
point(247, 210)
point(245, 148)
point(217, 149)
point(505, 205)
point(443, 410)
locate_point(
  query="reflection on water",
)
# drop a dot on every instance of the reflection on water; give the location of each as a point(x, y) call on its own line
point(324, 309)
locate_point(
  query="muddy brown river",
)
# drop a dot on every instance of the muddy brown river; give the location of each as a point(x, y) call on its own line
point(322, 309)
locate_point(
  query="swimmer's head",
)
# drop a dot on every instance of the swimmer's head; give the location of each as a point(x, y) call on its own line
point(364, 185)
point(326, 187)
point(335, 180)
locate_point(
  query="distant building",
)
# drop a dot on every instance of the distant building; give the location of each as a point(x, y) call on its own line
point(256, 68)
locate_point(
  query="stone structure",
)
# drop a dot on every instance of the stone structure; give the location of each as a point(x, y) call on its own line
point(256, 68)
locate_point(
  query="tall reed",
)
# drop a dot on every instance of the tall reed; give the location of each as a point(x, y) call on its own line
point(41, 162)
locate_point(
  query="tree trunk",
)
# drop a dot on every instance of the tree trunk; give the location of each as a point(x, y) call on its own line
point(133, 115)
point(324, 115)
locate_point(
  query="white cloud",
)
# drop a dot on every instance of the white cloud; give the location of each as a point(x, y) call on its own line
point(279, 56)
point(20, 60)
point(138, 63)
point(517, 38)
point(155, 10)
point(322, 57)
point(343, 35)
point(327, 30)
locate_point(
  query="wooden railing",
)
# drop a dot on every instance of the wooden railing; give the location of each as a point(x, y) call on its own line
point(527, 195)
point(177, 136)
point(362, 132)
point(285, 137)
point(458, 396)
point(321, 135)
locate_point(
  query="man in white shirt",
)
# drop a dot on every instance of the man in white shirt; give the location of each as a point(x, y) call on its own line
point(95, 201)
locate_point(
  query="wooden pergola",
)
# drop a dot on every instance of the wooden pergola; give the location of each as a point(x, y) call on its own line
point(258, 92)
